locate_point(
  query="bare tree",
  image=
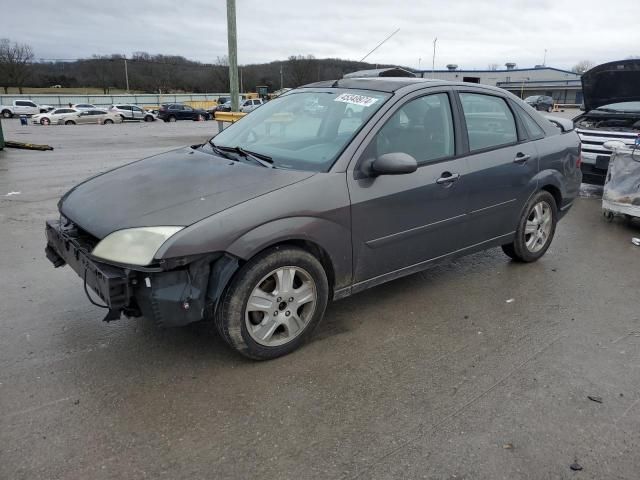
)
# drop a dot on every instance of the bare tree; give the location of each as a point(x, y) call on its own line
point(15, 63)
point(493, 67)
point(301, 69)
point(582, 66)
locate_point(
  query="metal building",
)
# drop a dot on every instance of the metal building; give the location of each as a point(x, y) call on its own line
point(562, 85)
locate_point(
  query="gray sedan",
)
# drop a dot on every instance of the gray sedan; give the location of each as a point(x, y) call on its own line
point(260, 227)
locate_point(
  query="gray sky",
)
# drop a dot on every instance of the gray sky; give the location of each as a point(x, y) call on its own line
point(471, 33)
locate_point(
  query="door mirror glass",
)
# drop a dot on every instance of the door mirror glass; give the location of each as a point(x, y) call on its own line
point(395, 163)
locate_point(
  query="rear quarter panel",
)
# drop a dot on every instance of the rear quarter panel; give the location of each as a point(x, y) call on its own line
point(558, 156)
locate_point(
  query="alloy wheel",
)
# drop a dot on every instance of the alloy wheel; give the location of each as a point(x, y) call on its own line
point(538, 227)
point(280, 306)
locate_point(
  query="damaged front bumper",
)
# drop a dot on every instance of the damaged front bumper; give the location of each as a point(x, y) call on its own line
point(176, 292)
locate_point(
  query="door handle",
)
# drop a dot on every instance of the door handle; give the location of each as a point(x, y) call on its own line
point(521, 157)
point(447, 178)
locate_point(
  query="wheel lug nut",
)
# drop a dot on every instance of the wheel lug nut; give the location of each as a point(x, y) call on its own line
point(290, 299)
point(287, 313)
point(275, 313)
point(279, 299)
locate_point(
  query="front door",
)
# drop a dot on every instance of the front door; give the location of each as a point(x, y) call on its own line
point(401, 221)
point(502, 163)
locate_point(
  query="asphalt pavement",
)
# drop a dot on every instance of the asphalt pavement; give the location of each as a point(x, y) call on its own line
point(478, 369)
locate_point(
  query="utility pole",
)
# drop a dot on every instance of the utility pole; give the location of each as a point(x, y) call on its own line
point(281, 82)
point(433, 61)
point(126, 74)
point(232, 42)
point(544, 60)
point(241, 84)
point(419, 62)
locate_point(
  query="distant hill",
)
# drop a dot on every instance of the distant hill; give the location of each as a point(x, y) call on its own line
point(166, 74)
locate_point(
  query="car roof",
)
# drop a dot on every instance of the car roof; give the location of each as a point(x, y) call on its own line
point(393, 84)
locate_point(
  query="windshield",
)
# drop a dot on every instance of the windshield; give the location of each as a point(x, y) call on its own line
point(303, 130)
point(633, 107)
point(531, 99)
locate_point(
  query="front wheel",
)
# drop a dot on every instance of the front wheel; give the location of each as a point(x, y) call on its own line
point(108, 121)
point(273, 303)
point(148, 118)
point(69, 122)
point(45, 121)
point(535, 230)
point(7, 114)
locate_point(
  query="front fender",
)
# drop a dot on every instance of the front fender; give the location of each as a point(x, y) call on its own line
point(330, 236)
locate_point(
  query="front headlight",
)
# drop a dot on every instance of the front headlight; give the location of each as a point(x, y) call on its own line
point(133, 246)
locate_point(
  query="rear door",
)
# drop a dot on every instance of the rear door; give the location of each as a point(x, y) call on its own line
point(400, 222)
point(187, 112)
point(502, 163)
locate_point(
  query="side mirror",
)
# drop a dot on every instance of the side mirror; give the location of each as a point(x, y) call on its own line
point(395, 163)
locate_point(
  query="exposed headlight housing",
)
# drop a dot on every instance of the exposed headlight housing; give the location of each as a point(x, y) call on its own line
point(133, 246)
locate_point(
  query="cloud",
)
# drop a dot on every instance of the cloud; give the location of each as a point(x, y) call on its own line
point(471, 34)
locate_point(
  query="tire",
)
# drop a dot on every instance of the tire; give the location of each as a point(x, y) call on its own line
point(530, 246)
point(549, 109)
point(45, 121)
point(302, 278)
point(171, 119)
point(148, 118)
point(7, 114)
point(69, 122)
point(108, 121)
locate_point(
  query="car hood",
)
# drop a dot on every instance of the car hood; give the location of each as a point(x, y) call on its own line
point(612, 82)
point(179, 187)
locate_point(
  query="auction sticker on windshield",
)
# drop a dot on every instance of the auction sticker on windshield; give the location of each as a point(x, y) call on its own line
point(355, 99)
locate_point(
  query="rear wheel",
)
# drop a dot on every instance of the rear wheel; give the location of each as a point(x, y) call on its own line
point(69, 122)
point(7, 114)
point(273, 303)
point(45, 121)
point(171, 119)
point(535, 230)
point(108, 121)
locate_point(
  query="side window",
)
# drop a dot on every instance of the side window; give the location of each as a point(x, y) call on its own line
point(533, 129)
point(22, 104)
point(422, 128)
point(489, 120)
point(187, 108)
point(136, 109)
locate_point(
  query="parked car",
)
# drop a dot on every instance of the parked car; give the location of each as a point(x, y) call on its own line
point(132, 112)
point(177, 111)
point(221, 107)
point(612, 112)
point(89, 116)
point(23, 107)
point(540, 102)
point(53, 116)
point(250, 105)
point(260, 227)
point(85, 106)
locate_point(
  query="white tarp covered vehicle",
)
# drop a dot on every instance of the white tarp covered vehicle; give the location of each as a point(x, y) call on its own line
point(622, 186)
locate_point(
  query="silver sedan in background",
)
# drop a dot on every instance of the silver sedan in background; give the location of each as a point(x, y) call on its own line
point(90, 116)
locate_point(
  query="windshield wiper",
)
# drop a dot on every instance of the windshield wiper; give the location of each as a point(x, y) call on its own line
point(259, 158)
point(220, 151)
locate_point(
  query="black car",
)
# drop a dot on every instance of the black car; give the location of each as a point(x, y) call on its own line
point(177, 111)
point(540, 102)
